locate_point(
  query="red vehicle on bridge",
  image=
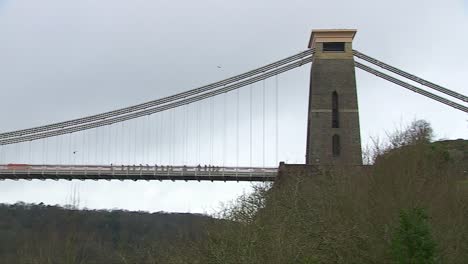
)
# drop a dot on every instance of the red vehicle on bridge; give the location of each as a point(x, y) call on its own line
point(17, 166)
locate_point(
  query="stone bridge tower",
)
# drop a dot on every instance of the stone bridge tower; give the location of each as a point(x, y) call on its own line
point(333, 134)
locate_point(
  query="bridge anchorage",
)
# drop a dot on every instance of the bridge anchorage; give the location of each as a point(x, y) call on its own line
point(74, 149)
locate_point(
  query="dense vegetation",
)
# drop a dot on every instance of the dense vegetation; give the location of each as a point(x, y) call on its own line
point(51, 234)
point(410, 206)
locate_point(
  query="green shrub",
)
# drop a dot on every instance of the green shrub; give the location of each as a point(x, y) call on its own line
point(413, 243)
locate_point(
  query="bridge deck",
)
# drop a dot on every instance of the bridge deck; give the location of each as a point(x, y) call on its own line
point(121, 172)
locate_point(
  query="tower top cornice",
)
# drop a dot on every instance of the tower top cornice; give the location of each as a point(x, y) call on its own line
point(331, 35)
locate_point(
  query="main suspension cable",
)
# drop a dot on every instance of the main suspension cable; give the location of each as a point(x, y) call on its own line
point(410, 76)
point(160, 108)
point(157, 102)
point(411, 87)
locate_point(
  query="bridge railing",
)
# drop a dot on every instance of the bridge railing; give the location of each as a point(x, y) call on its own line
point(136, 172)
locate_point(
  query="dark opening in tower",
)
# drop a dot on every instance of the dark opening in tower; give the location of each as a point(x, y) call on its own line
point(334, 46)
point(335, 113)
point(336, 148)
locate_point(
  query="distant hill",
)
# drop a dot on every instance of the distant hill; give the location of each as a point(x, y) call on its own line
point(37, 233)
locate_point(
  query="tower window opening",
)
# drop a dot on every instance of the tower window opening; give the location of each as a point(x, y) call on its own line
point(334, 46)
point(336, 148)
point(335, 113)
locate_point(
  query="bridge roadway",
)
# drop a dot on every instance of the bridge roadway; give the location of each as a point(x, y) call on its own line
point(136, 172)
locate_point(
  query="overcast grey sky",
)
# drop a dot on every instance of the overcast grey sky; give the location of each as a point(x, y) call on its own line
point(66, 59)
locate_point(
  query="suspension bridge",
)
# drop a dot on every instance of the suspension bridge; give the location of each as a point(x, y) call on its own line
point(137, 142)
